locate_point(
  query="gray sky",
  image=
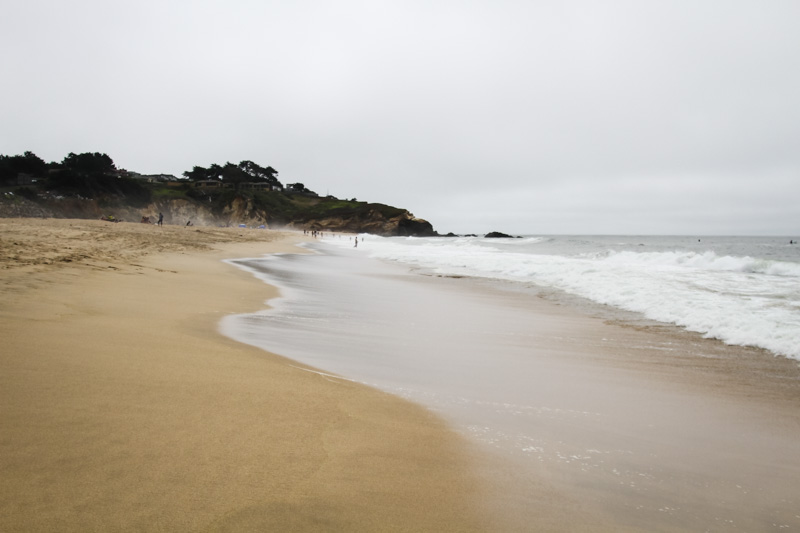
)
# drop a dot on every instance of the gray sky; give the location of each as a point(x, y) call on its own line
point(628, 117)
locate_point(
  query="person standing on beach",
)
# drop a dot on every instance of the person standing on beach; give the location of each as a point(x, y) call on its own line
point(356, 245)
point(160, 219)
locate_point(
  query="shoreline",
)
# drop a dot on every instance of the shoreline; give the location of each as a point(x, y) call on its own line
point(129, 408)
point(615, 426)
point(126, 408)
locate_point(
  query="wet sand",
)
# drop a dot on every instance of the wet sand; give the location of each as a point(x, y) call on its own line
point(124, 409)
point(584, 423)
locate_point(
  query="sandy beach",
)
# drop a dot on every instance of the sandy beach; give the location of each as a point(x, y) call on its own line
point(124, 409)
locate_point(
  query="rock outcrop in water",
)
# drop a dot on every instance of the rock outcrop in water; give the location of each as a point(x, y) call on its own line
point(498, 235)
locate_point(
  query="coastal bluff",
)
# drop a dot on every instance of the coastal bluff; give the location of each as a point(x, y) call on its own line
point(91, 186)
point(273, 210)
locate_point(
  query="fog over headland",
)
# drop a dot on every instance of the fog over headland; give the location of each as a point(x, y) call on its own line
point(616, 116)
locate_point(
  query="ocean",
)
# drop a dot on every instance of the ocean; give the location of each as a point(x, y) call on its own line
point(580, 360)
point(741, 290)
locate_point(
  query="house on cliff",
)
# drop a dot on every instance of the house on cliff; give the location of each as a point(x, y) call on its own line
point(149, 178)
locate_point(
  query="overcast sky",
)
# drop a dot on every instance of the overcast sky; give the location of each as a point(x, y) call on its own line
point(621, 117)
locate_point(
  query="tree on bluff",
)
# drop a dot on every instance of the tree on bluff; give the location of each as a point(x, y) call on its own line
point(199, 173)
point(233, 174)
point(230, 173)
point(258, 173)
point(28, 163)
point(245, 171)
point(93, 175)
point(89, 163)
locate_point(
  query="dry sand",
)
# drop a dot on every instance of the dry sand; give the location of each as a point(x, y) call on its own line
point(122, 408)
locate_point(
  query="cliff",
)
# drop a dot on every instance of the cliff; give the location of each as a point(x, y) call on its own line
point(404, 224)
point(225, 208)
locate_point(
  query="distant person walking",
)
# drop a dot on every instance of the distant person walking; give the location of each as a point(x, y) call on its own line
point(356, 245)
point(160, 219)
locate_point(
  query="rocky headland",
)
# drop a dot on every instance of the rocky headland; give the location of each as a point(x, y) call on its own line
point(89, 186)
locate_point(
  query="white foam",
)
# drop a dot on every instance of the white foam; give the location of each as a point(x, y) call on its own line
point(741, 300)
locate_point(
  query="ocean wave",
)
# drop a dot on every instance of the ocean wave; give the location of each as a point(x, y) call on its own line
point(701, 261)
point(738, 299)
